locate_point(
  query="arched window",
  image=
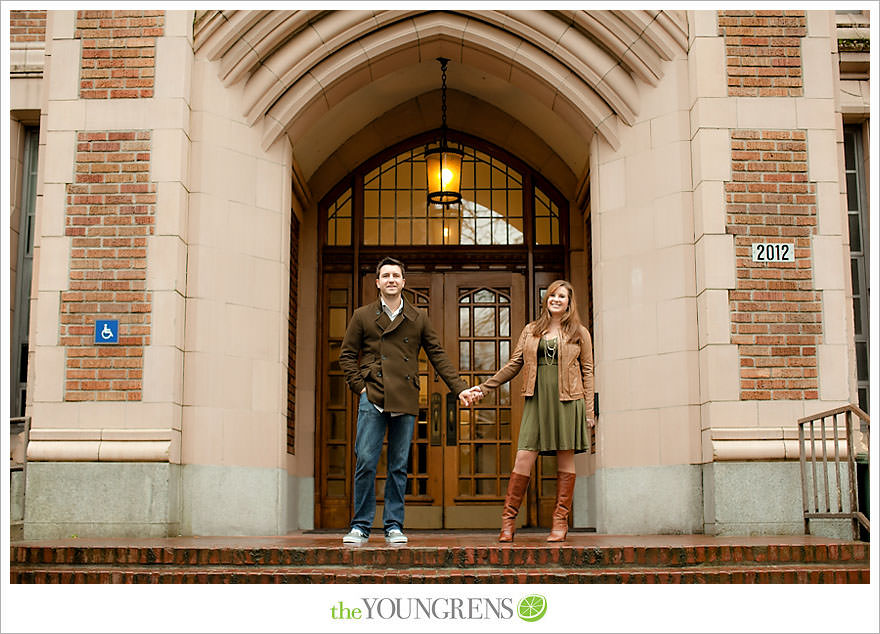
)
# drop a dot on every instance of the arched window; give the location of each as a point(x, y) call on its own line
point(384, 203)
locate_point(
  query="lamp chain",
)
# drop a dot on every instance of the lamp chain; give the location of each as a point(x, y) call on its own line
point(443, 93)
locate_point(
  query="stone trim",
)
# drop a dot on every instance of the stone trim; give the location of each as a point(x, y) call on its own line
point(772, 443)
point(104, 445)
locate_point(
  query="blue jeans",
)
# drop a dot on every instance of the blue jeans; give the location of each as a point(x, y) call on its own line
point(371, 428)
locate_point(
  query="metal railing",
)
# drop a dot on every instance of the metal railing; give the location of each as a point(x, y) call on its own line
point(814, 453)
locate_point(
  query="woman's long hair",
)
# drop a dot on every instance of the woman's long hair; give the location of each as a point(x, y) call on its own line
point(571, 322)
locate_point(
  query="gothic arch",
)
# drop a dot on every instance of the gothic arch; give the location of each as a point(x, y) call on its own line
point(302, 69)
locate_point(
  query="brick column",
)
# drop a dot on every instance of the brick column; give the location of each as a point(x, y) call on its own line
point(763, 52)
point(118, 53)
point(110, 209)
point(776, 315)
point(27, 26)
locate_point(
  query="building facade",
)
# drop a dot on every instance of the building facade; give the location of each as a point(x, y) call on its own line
point(219, 185)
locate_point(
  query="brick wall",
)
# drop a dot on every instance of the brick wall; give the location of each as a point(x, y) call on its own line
point(110, 213)
point(763, 52)
point(118, 53)
point(776, 317)
point(291, 335)
point(27, 26)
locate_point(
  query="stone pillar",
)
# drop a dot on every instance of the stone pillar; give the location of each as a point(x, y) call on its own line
point(771, 335)
point(235, 435)
point(104, 456)
point(647, 478)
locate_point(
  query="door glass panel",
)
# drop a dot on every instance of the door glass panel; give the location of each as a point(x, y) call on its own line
point(464, 424)
point(464, 355)
point(337, 425)
point(488, 441)
point(338, 318)
point(484, 355)
point(337, 391)
point(337, 461)
point(504, 352)
point(464, 322)
point(504, 321)
point(334, 348)
point(486, 487)
point(484, 322)
point(464, 459)
point(338, 297)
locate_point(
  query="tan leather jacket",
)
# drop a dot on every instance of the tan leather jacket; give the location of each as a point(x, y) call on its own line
point(575, 368)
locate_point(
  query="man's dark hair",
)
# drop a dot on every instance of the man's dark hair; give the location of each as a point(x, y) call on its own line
point(392, 262)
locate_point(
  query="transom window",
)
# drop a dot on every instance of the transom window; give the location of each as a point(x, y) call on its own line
point(498, 207)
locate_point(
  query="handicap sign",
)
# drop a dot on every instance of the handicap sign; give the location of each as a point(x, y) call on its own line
point(106, 331)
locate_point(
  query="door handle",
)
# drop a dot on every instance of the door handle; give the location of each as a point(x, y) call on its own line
point(451, 419)
point(436, 413)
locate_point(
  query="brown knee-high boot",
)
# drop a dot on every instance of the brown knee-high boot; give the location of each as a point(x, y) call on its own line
point(564, 493)
point(516, 489)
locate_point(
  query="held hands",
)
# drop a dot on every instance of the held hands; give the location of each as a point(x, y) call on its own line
point(470, 396)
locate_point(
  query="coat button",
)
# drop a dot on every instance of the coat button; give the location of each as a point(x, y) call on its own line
point(406, 340)
point(384, 357)
point(379, 375)
point(406, 359)
point(407, 377)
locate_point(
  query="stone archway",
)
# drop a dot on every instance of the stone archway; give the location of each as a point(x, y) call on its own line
point(337, 87)
point(325, 75)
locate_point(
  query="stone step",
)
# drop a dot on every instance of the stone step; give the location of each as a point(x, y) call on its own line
point(446, 558)
point(697, 574)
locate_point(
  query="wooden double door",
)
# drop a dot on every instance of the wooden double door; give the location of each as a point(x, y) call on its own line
point(461, 457)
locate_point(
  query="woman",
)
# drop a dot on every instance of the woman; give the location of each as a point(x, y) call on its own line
point(556, 352)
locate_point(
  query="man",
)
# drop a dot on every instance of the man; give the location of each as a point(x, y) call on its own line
point(380, 358)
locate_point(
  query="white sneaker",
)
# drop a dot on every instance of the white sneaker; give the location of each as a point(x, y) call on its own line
point(395, 536)
point(355, 536)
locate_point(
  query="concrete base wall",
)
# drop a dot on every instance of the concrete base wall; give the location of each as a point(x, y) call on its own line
point(244, 501)
point(647, 500)
point(765, 498)
point(101, 499)
point(16, 496)
point(125, 499)
point(584, 503)
point(305, 507)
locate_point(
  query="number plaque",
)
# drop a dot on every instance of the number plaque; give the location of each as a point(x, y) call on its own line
point(772, 252)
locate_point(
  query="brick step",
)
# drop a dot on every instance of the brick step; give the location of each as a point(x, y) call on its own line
point(779, 573)
point(446, 557)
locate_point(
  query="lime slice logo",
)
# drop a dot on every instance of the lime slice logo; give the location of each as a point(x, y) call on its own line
point(532, 608)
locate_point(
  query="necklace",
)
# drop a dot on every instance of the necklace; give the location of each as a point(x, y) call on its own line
point(551, 349)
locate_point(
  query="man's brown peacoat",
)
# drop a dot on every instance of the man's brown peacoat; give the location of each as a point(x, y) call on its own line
point(383, 356)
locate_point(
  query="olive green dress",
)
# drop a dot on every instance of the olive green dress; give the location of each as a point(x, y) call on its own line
point(548, 424)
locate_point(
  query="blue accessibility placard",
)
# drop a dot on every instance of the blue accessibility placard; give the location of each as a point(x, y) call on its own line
point(106, 331)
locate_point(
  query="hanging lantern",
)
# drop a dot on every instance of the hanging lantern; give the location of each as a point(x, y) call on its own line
point(443, 162)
